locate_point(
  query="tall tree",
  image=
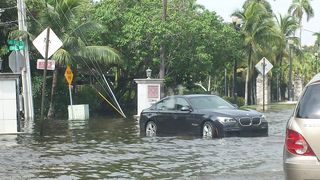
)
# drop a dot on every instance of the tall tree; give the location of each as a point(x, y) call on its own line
point(257, 30)
point(298, 8)
point(197, 41)
point(8, 22)
point(286, 26)
point(162, 47)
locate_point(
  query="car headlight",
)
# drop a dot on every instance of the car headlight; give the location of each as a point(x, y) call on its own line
point(226, 120)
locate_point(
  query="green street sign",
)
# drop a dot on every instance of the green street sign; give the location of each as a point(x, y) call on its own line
point(15, 42)
point(15, 45)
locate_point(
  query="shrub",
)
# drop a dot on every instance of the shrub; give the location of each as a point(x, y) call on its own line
point(240, 100)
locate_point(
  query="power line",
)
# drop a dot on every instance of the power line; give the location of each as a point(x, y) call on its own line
point(308, 30)
point(8, 22)
point(2, 9)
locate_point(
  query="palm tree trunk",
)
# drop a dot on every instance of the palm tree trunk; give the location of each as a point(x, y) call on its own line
point(300, 32)
point(280, 79)
point(51, 110)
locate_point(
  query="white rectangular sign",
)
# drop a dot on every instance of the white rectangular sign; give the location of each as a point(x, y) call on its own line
point(50, 64)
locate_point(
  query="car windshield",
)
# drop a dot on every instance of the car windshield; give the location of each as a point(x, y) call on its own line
point(209, 102)
point(309, 106)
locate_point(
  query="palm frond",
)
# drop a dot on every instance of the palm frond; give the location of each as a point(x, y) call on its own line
point(62, 56)
point(85, 28)
point(102, 54)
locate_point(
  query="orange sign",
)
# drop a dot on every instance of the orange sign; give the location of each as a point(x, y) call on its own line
point(68, 75)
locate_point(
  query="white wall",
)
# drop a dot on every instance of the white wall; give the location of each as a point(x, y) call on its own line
point(8, 106)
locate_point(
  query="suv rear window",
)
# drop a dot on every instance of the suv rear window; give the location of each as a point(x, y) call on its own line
point(309, 105)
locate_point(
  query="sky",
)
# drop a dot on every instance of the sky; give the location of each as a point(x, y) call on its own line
point(225, 8)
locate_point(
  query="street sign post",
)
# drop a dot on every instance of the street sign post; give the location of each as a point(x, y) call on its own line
point(47, 43)
point(263, 66)
point(51, 65)
point(69, 77)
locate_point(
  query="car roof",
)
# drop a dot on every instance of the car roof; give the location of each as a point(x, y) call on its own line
point(192, 95)
point(315, 79)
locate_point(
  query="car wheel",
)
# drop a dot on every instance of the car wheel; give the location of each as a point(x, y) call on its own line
point(151, 129)
point(209, 130)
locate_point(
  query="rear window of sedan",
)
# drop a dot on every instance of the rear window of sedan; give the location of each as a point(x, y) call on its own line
point(309, 105)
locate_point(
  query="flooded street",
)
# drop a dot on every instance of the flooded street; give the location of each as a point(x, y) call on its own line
point(113, 149)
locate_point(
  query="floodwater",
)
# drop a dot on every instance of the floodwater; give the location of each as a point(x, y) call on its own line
point(113, 149)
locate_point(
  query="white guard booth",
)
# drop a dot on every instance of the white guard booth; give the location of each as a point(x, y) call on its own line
point(9, 103)
point(149, 91)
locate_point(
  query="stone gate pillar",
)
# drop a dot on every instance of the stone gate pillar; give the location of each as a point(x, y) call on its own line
point(298, 87)
point(259, 85)
point(149, 91)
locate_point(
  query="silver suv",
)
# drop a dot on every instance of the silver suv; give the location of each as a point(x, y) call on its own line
point(301, 158)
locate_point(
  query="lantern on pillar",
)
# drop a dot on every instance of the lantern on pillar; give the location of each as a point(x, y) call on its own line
point(148, 71)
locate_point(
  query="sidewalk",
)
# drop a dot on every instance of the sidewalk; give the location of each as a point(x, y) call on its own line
point(273, 106)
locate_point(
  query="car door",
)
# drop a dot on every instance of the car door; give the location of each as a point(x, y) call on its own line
point(183, 123)
point(166, 115)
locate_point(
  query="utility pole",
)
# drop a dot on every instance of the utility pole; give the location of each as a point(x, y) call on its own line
point(26, 74)
point(162, 47)
point(225, 82)
point(235, 81)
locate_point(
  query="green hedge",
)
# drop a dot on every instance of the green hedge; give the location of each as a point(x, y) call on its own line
point(240, 100)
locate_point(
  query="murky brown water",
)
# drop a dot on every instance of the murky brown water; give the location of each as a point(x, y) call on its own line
point(113, 149)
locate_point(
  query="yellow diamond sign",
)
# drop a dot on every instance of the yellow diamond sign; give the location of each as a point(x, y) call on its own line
point(68, 75)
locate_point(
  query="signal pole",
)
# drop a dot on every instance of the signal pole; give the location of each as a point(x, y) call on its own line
point(26, 74)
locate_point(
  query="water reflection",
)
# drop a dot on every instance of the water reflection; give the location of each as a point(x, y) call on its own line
point(107, 148)
point(78, 124)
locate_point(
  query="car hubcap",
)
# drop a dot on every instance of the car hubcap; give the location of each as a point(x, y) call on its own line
point(151, 129)
point(207, 130)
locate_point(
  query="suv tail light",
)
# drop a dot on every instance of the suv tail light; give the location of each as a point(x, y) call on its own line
point(296, 144)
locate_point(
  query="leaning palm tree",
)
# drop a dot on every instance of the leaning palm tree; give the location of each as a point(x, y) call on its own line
point(60, 16)
point(298, 8)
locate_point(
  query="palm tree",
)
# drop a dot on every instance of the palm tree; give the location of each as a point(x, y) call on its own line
point(298, 8)
point(257, 30)
point(59, 15)
point(286, 25)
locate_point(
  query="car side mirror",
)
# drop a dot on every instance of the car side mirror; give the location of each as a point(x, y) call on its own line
point(235, 105)
point(185, 108)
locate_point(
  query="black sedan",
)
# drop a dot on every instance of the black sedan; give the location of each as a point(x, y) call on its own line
point(209, 116)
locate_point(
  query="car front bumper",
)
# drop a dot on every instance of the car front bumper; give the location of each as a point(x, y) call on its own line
point(236, 127)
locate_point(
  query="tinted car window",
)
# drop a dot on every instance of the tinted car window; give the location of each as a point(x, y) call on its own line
point(180, 102)
point(166, 104)
point(309, 106)
point(159, 105)
point(209, 102)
